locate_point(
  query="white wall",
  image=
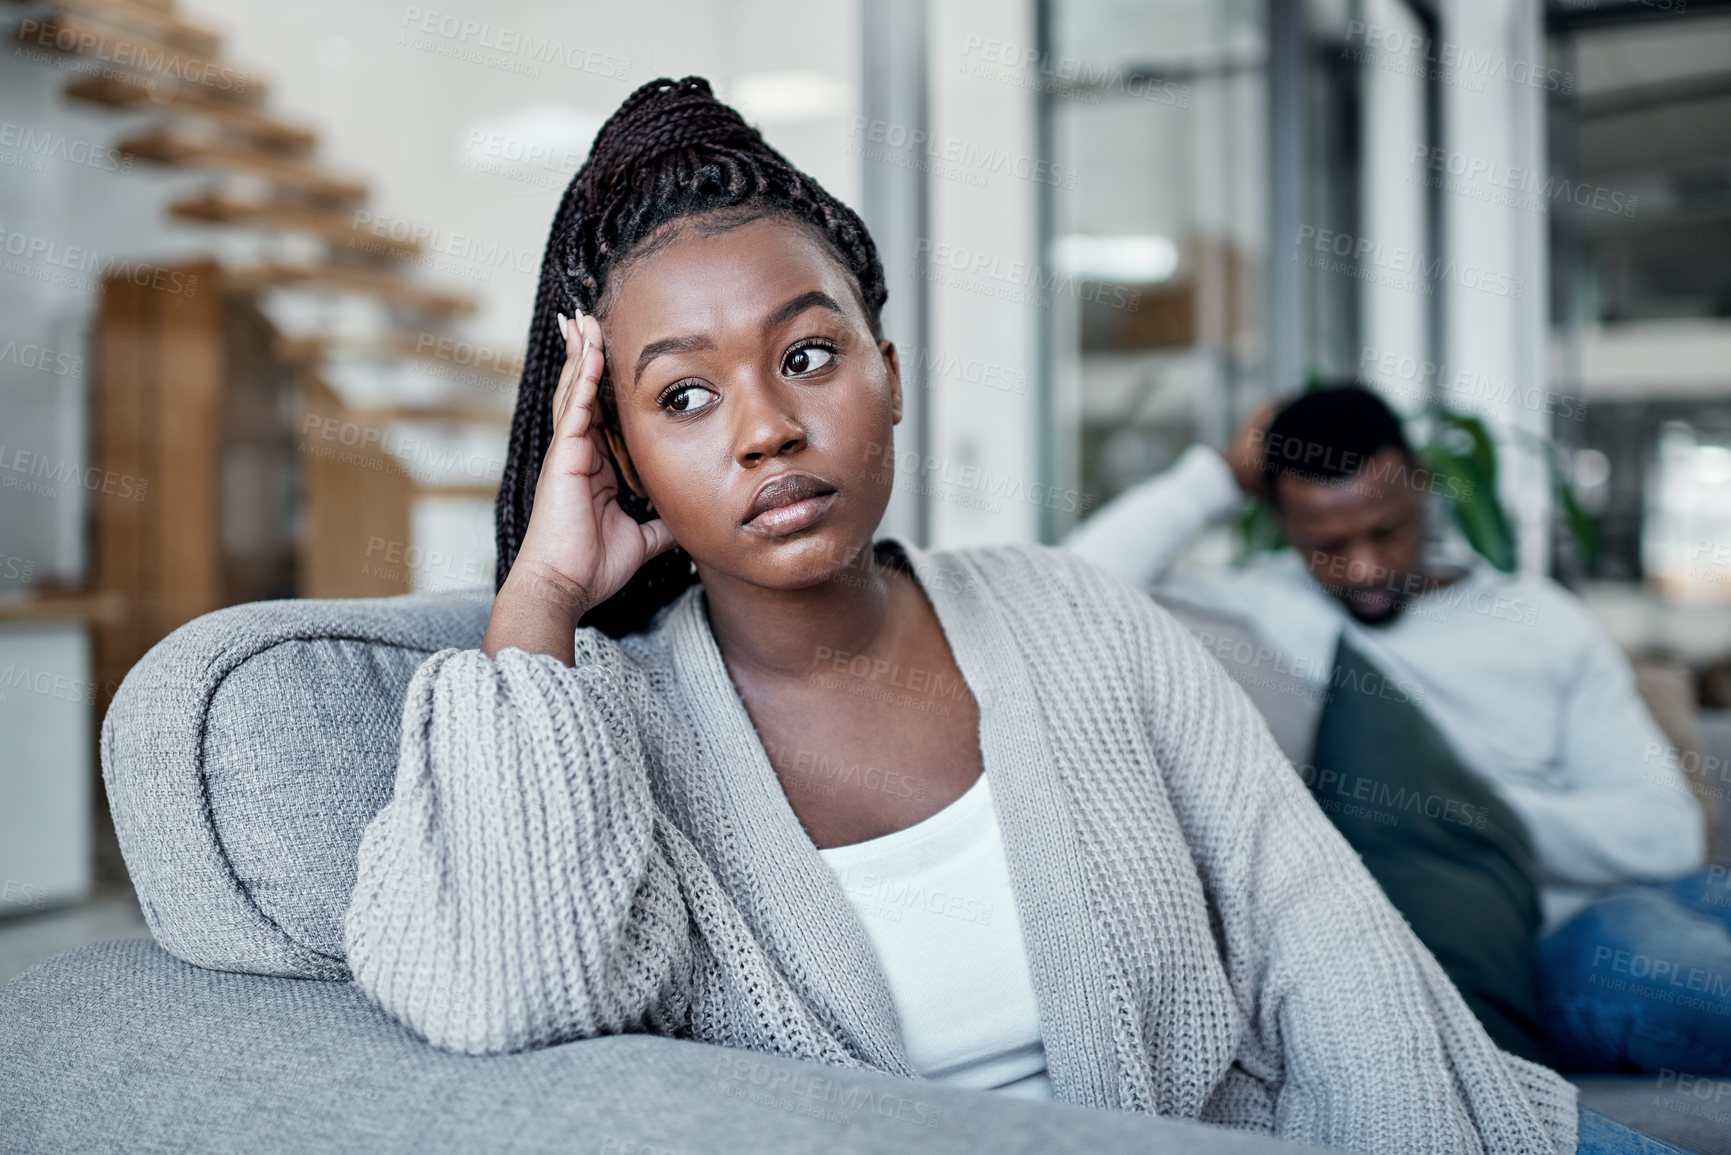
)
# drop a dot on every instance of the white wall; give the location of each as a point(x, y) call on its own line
point(45, 765)
point(1494, 113)
point(1395, 319)
point(980, 474)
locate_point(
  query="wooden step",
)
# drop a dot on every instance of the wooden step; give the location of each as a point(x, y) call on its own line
point(123, 48)
point(460, 393)
point(498, 371)
point(154, 23)
point(89, 605)
point(265, 129)
point(478, 490)
point(460, 414)
point(172, 146)
point(336, 227)
point(334, 405)
point(389, 288)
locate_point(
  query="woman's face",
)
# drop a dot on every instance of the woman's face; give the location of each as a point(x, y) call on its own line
point(740, 358)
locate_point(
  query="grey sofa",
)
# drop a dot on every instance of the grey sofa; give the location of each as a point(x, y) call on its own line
point(243, 757)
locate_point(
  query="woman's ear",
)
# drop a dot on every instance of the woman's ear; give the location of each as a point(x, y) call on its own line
point(891, 363)
point(616, 445)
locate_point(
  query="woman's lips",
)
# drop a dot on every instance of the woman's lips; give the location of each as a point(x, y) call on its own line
point(793, 517)
point(787, 502)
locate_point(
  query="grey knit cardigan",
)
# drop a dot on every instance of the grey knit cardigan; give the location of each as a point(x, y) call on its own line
point(577, 851)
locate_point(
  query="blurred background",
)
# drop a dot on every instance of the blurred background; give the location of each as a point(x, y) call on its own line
point(266, 273)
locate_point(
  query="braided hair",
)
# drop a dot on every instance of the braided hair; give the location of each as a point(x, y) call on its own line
point(671, 151)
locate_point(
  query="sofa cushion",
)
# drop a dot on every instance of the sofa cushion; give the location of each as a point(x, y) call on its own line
point(1448, 851)
point(118, 1046)
point(244, 756)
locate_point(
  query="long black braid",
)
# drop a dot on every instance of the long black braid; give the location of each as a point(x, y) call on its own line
point(672, 150)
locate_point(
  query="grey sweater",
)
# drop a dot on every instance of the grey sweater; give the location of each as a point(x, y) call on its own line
point(576, 851)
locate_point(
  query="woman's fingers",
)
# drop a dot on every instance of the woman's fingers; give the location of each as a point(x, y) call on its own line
point(590, 360)
point(584, 374)
point(657, 538)
point(585, 397)
point(568, 330)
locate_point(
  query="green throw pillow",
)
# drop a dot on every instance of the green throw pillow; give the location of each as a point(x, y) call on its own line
point(1450, 854)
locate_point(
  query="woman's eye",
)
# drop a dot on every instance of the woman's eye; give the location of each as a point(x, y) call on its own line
point(807, 359)
point(682, 400)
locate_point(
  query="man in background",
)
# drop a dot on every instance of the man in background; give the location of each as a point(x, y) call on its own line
point(1634, 953)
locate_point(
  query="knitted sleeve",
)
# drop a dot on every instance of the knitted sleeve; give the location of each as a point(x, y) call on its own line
point(516, 890)
point(1364, 1040)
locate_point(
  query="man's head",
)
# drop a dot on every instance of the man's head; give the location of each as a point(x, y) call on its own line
point(1351, 497)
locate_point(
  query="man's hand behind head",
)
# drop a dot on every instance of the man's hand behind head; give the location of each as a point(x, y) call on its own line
point(1245, 454)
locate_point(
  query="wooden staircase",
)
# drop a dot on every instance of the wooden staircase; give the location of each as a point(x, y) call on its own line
point(212, 116)
point(262, 175)
point(215, 418)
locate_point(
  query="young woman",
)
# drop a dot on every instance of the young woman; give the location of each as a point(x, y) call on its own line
point(725, 768)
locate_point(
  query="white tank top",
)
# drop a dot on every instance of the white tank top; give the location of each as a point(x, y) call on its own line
point(935, 900)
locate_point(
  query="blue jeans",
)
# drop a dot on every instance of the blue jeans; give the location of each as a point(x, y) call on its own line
point(1601, 1136)
point(1640, 981)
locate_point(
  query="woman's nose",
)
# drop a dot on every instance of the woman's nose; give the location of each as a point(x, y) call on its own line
point(765, 424)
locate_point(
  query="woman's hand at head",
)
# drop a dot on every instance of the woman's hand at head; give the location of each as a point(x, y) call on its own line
point(580, 545)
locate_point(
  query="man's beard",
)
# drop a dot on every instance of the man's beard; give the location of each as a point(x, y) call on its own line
point(1373, 607)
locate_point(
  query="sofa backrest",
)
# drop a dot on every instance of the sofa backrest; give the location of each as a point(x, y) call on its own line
point(244, 756)
point(1290, 705)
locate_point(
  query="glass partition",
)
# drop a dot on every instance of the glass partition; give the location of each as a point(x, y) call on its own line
point(1157, 115)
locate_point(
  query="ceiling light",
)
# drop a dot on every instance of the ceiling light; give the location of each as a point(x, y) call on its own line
point(1128, 260)
point(766, 97)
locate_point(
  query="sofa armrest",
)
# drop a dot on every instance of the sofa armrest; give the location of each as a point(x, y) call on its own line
point(119, 1046)
point(243, 756)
